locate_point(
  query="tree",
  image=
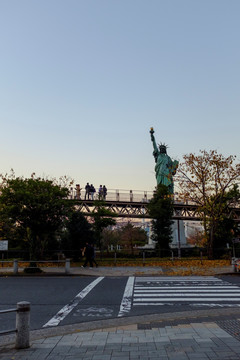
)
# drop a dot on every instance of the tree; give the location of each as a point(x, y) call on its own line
point(34, 209)
point(130, 236)
point(160, 209)
point(78, 232)
point(197, 238)
point(110, 238)
point(102, 218)
point(220, 226)
point(209, 180)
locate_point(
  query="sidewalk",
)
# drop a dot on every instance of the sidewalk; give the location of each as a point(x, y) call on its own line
point(202, 334)
point(124, 271)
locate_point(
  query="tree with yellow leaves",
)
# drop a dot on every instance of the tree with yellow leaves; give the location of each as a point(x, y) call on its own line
point(210, 181)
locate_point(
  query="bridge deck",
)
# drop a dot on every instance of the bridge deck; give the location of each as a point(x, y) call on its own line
point(133, 204)
point(139, 209)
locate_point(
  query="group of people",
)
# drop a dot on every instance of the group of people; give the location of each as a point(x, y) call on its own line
point(89, 253)
point(90, 191)
point(102, 192)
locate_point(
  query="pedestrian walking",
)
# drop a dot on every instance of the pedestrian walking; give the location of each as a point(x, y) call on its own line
point(93, 255)
point(88, 252)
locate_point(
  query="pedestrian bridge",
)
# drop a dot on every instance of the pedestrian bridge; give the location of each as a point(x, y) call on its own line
point(133, 204)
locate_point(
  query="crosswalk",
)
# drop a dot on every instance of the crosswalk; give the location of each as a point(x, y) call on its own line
point(133, 296)
point(152, 291)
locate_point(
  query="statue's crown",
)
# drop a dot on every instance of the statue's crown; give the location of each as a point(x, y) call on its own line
point(163, 148)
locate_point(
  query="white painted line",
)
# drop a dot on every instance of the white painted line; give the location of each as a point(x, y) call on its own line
point(199, 304)
point(126, 303)
point(69, 307)
point(183, 295)
point(218, 305)
point(186, 287)
point(180, 299)
point(180, 279)
point(187, 291)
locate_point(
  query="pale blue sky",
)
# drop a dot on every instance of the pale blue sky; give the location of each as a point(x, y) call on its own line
point(82, 82)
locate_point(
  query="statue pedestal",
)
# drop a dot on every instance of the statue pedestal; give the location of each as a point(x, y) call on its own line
point(178, 234)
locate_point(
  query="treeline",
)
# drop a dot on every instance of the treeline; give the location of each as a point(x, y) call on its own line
point(37, 219)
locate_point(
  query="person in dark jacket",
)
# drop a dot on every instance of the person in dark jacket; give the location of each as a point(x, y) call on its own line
point(92, 191)
point(87, 191)
point(93, 255)
point(88, 252)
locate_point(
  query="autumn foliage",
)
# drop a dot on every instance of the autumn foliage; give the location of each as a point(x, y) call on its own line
point(210, 181)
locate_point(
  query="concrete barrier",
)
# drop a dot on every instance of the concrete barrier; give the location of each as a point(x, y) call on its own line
point(22, 325)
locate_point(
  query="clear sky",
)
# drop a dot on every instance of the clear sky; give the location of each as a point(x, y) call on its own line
point(82, 82)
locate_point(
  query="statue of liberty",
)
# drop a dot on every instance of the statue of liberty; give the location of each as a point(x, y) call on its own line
point(165, 168)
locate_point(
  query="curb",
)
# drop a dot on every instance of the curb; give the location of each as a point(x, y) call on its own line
point(213, 314)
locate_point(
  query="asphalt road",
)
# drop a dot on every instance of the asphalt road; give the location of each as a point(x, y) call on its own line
point(57, 301)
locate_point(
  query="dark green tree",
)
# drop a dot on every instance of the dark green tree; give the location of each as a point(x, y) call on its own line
point(78, 232)
point(160, 209)
point(34, 209)
point(101, 219)
point(110, 238)
point(130, 236)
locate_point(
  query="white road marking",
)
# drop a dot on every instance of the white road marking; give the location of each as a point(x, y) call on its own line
point(94, 312)
point(126, 303)
point(186, 291)
point(69, 307)
point(182, 294)
point(181, 279)
point(215, 305)
point(137, 288)
point(167, 291)
point(141, 301)
point(197, 305)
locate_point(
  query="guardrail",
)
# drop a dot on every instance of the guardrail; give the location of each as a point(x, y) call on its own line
point(22, 329)
point(119, 195)
point(112, 195)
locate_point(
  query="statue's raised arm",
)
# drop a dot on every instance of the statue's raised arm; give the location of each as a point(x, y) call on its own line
point(155, 148)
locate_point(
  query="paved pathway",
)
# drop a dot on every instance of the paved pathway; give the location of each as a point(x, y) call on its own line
point(200, 334)
point(123, 270)
point(194, 339)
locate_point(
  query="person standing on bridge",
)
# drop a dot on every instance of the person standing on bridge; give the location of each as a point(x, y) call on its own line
point(100, 192)
point(92, 191)
point(87, 191)
point(104, 192)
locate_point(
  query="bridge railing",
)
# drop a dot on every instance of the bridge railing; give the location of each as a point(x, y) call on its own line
point(121, 195)
point(113, 195)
